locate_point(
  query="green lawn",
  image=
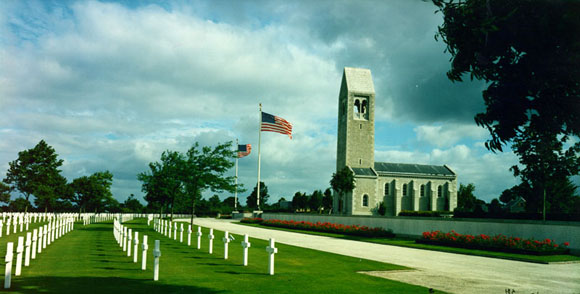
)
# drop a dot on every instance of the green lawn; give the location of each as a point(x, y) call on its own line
point(407, 242)
point(88, 260)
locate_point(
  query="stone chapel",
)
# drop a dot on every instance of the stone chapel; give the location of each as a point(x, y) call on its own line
point(401, 186)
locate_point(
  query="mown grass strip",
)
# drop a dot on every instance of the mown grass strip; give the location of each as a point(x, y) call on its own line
point(88, 260)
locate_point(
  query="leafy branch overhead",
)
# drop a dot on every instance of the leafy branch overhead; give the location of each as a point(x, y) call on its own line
point(528, 52)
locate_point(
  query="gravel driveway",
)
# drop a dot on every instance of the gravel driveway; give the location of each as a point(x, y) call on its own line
point(454, 273)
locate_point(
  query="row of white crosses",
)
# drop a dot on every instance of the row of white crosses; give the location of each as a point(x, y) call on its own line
point(35, 243)
point(127, 239)
point(164, 227)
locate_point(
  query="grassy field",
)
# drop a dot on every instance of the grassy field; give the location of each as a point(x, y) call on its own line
point(88, 260)
point(407, 242)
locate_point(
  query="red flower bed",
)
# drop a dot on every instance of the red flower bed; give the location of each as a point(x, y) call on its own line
point(255, 220)
point(330, 228)
point(495, 243)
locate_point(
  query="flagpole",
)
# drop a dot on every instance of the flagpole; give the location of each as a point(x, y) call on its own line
point(259, 157)
point(236, 191)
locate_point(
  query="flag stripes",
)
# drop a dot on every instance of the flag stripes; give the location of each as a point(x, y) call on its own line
point(272, 123)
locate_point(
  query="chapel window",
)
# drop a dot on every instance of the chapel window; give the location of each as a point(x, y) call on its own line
point(386, 189)
point(365, 200)
point(439, 191)
point(422, 190)
point(404, 189)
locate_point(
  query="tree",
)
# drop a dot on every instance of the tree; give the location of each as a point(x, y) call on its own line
point(165, 181)
point(342, 182)
point(546, 170)
point(527, 53)
point(315, 201)
point(327, 200)
point(35, 172)
point(466, 201)
point(205, 169)
point(132, 205)
point(4, 193)
point(19, 204)
point(229, 202)
point(299, 201)
point(251, 200)
point(93, 193)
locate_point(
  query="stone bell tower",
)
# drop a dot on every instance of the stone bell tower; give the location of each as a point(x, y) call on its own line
point(356, 120)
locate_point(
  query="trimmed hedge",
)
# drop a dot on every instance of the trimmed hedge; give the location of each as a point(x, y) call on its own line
point(255, 220)
point(327, 227)
point(424, 213)
point(499, 243)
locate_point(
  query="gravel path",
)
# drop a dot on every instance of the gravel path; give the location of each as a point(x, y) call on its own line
point(454, 273)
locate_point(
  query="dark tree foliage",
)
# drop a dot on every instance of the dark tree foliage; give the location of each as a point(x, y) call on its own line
point(19, 204)
point(315, 200)
point(179, 179)
point(299, 201)
point(342, 182)
point(528, 52)
point(466, 200)
point(132, 205)
point(546, 168)
point(35, 172)
point(327, 199)
point(5, 193)
point(93, 193)
point(251, 200)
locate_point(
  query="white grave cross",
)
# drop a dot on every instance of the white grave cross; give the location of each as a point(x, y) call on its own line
point(199, 234)
point(129, 241)
point(189, 235)
point(136, 246)
point(210, 237)
point(34, 243)
point(271, 249)
point(27, 250)
point(181, 233)
point(19, 251)
point(8, 260)
point(144, 247)
point(156, 255)
point(246, 244)
point(226, 240)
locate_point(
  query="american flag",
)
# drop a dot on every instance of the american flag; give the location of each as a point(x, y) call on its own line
point(244, 150)
point(272, 123)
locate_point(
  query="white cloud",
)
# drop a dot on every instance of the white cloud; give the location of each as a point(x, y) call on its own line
point(448, 134)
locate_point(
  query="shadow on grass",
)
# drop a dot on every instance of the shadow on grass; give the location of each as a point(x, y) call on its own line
point(100, 285)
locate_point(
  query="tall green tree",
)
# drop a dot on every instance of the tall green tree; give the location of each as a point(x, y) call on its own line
point(466, 200)
point(299, 201)
point(164, 183)
point(35, 172)
point(5, 193)
point(342, 182)
point(251, 201)
point(527, 52)
point(327, 200)
point(546, 170)
point(132, 205)
point(179, 178)
point(93, 193)
point(205, 169)
point(315, 200)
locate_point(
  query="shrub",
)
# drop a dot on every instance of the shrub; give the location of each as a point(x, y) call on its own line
point(495, 243)
point(424, 213)
point(355, 230)
point(255, 220)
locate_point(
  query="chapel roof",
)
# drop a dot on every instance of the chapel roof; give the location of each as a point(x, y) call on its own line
point(411, 168)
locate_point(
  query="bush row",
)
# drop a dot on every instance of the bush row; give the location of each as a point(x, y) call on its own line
point(495, 243)
point(327, 227)
point(424, 213)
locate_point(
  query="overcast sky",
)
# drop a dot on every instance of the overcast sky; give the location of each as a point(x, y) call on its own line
point(111, 85)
